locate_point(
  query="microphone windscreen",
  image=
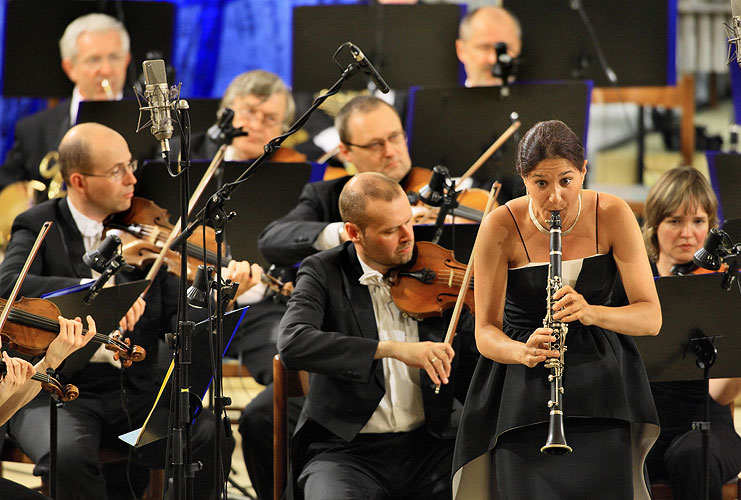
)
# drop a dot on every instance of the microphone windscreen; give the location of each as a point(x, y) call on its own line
point(98, 259)
point(154, 72)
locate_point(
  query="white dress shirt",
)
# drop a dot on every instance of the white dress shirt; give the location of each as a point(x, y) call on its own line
point(400, 409)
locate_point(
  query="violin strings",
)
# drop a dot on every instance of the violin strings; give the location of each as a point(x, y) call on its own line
point(191, 249)
point(49, 324)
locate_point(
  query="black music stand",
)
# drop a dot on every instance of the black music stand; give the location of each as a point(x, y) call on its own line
point(699, 338)
point(453, 126)
point(408, 44)
point(271, 193)
point(156, 425)
point(150, 26)
point(725, 177)
point(121, 116)
point(556, 45)
point(458, 237)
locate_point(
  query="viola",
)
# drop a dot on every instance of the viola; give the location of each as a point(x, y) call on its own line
point(32, 325)
point(144, 230)
point(66, 393)
point(430, 282)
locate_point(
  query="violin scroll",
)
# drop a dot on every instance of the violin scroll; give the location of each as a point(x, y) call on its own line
point(122, 349)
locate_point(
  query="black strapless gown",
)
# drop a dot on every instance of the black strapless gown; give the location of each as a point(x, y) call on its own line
point(606, 388)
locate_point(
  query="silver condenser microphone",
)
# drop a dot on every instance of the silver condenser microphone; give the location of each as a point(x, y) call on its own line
point(157, 94)
point(734, 32)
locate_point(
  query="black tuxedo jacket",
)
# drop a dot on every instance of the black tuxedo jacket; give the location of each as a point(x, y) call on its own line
point(289, 239)
point(35, 136)
point(59, 264)
point(329, 329)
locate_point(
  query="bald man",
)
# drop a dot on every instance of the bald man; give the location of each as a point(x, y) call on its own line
point(479, 31)
point(99, 171)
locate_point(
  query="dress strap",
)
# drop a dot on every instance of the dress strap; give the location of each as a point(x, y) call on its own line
point(518, 231)
point(596, 225)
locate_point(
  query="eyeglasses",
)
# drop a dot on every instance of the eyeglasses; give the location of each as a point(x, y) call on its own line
point(379, 145)
point(118, 171)
point(250, 113)
point(94, 62)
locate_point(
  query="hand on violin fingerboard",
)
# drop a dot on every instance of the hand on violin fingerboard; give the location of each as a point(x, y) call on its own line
point(128, 322)
point(70, 339)
point(434, 357)
point(17, 373)
point(244, 273)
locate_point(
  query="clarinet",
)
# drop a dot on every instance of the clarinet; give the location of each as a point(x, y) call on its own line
point(556, 443)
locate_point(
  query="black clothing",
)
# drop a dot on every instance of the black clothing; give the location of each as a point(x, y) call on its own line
point(329, 330)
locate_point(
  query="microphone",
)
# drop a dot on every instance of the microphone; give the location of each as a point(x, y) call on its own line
point(368, 68)
point(734, 31)
point(99, 258)
point(222, 131)
point(433, 193)
point(504, 65)
point(157, 94)
point(105, 261)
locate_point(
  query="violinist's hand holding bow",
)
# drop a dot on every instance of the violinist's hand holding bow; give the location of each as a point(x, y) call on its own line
point(434, 357)
point(132, 315)
point(244, 273)
point(572, 306)
point(537, 348)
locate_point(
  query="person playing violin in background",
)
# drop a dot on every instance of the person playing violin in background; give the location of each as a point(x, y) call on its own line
point(17, 388)
point(97, 166)
point(373, 140)
point(371, 426)
point(680, 210)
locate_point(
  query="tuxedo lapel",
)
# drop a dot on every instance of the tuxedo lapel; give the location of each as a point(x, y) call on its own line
point(360, 301)
point(72, 238)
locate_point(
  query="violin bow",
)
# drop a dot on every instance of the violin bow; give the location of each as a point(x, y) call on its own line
point(467, 276)
point(16, 288)
point(218, 158)
point(492, 149)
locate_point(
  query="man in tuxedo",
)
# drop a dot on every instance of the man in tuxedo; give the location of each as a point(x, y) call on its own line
point(478, 33)
point(95, 55)
point(371, 426)
point(373, 140)
point(97, 166)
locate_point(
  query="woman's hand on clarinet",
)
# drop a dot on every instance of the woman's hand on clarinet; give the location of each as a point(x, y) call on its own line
point(538, 348)
point(572, 306)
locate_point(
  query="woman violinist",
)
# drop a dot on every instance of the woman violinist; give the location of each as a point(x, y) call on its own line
point(680, 209)
point(16, 388)
point(608, 412)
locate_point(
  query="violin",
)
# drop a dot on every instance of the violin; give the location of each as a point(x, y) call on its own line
point(66, 393)
point(471, 202)
point(430, 282)
point(32, 325)
point(144, 230)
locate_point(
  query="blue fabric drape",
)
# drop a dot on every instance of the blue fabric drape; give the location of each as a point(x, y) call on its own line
point(215, 40)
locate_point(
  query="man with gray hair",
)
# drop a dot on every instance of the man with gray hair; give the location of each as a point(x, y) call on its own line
point(264, 108)
point(95, 54)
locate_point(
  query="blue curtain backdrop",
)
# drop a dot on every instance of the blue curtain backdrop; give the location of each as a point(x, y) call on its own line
point(215, 40)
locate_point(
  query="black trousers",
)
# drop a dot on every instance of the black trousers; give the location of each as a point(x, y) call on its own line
point(256, 429)
point(404, 465)
point(14, 491)
point(96, 419)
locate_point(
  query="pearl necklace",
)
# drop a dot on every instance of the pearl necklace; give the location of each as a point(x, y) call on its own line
point(540, 226)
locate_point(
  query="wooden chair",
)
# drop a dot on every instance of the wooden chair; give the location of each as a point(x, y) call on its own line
point(155, 488)
point(286, 383)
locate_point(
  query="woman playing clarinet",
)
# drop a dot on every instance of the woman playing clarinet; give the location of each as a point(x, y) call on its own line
point(595, 432)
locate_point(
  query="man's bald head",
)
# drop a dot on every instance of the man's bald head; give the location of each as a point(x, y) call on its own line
point(78, 146)
point(363, 189)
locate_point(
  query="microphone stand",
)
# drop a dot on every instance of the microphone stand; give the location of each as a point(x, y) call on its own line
point(214, 214)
